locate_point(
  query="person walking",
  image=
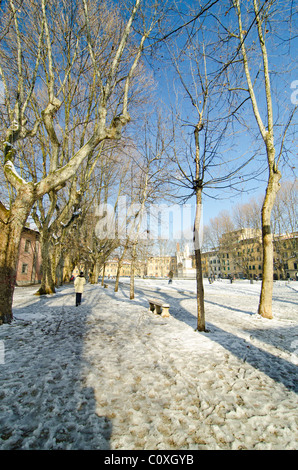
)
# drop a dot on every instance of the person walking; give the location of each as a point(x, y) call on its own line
point(79, 283)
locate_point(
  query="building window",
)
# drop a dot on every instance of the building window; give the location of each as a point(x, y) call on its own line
point(24, 268)
point(27, 245)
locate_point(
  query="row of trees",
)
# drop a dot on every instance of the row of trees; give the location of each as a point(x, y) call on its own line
point(68, 81)
point(73, 82)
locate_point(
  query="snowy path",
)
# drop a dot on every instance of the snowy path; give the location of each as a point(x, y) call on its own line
point(112, 375)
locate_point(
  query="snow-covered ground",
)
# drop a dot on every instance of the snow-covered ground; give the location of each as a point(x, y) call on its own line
point(110, 374)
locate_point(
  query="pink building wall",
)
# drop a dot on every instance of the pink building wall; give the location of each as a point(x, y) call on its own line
point(29, 263)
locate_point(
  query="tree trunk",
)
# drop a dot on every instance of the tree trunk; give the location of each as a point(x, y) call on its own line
point(118, 275)
point(199, 273)
point(120, 261)
point(132, 273)
point(55, 258)
point(35, 257)
point(11, 226)
point(47, 281)
point(103, 274)
point(58, 264)
point(95, 273)
point(265, 304)
point(8, 264)
point(67, 268)
point(59, 272)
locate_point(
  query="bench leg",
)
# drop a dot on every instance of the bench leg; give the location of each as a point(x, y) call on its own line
point(165, 312)
point(158, 309)
point(151, 307)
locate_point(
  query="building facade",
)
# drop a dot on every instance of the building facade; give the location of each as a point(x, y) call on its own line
point(239, 255)
point(286, 256)
point(161, 266)
point(29, 260)
point(154, 266)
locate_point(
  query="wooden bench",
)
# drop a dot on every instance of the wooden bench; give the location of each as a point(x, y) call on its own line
point(158, 306)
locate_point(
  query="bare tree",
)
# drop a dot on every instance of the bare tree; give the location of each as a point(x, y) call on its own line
point(208, 164)
point(148, 181)
point(20, 70)
point(259, 20)
point(247, 215)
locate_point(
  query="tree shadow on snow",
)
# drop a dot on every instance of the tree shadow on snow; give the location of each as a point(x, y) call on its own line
point(45, 402)
point(228, 307)
point(278, 369)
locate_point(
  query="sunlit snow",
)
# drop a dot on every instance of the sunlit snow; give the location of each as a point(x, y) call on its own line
point(110, 374)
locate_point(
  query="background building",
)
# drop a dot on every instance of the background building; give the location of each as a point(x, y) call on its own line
point(29, 261)
point(239, 255)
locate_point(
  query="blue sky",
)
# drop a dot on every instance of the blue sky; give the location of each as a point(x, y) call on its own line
point(283, 72)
